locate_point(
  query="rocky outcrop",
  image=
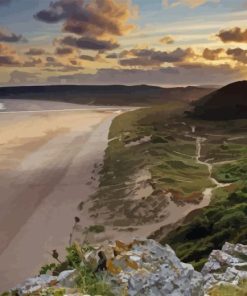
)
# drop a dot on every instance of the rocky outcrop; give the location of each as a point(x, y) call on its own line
point(140, 268)
point(226, 266)
point(146, 268)
point(155, 270)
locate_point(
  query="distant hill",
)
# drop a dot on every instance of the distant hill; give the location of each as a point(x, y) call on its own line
point(229, 102)
point(104, 95)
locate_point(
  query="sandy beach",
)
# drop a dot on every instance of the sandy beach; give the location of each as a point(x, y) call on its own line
point(45, 163)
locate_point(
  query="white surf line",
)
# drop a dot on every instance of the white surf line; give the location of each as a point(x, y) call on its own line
point(2, 107)
point(63, 110)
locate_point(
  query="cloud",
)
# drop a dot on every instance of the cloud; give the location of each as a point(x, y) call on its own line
point(189, 3)
point(87, 58)
point(89, 43)
point(233, 35)
point(53, 62)
point(8, 57)
point(64, 50)
point(35, 52)
point(54, 65)
point(152, 57)
point(167, 40)
point(112, 56)
point(238, 54)
point(8, 61)
point(6, 36)
point(180, 75)
point(212, 54)
point(95, 18)
point(33, 63)
point(65, 68)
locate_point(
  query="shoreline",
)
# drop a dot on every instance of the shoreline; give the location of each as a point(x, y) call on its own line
point(39, 207)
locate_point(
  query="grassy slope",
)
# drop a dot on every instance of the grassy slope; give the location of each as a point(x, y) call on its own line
point(169, 156)
point(224, 220)
point(226, 217)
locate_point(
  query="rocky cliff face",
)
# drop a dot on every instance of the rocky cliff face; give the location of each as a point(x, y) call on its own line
point(149, 269)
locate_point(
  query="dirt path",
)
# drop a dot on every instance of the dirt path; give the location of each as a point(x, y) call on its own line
point(208, 192)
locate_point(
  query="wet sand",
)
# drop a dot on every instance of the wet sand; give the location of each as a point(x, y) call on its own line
point(45, 164)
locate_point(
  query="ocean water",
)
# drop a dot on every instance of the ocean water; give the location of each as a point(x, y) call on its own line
point(2, 107)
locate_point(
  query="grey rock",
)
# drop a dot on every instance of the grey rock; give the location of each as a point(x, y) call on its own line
point(67, 278)
point(162, 273)
point(35, 284)
point(226, 266)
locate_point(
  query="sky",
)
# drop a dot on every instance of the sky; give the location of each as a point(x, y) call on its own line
point(156, 42)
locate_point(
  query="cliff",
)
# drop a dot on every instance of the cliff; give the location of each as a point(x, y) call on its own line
point(141, 268)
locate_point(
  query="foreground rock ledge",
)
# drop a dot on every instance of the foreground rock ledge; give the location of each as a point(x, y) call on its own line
point(147, 268)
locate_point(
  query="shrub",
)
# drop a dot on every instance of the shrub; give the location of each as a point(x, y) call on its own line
point(46, 268)
point(96, 228)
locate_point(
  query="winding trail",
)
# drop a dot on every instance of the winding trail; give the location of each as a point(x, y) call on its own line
point(208, 192)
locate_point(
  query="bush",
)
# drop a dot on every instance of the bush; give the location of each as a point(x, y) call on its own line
point(96, 228)
point(158, 139)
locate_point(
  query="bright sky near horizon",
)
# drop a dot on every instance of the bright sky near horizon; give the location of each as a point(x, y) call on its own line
point(159, 42)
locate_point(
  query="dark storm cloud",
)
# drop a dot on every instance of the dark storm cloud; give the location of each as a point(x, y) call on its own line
point(238, 54)
point(89, 43)
point(6, 36)
point(35, 51)
point(151, 57)
point(233, 35)
point(64, 50)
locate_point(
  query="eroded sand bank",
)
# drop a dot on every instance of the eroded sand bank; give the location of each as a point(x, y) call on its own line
point(45, 165)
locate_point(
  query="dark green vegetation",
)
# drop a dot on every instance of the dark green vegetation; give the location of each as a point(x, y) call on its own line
point(104, 94)
point(226, 217)
point(224, 220)
point(96, 228)
point(231, 172)
point(229, 102)
point(87, 280)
